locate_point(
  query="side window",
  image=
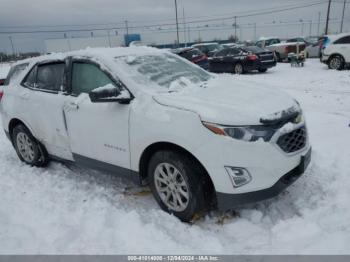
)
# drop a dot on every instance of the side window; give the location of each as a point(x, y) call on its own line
point(343, 40)
point(259, 44)
point(14, 72)
point(30, 79)
point(234, 51)
point(222, 53)
point(50, 76)
point(87, 77)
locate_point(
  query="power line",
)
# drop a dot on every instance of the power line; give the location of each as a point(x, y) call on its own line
point(155, 20)
point(169, 24)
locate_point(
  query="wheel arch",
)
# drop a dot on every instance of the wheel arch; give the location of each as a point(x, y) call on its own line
point(13, 123)
point(335, 54)
point(153, 148)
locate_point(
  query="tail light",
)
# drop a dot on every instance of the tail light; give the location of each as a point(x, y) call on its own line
point(286, 49)
point(1, 94)
point(252, 57)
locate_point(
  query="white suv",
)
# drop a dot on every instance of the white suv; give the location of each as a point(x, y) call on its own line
point(336, 51)
point(198, 140)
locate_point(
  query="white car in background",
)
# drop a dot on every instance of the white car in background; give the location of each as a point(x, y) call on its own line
point(199, 141)
point(336, 51)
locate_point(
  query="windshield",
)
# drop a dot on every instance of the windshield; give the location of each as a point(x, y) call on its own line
point(162, 70)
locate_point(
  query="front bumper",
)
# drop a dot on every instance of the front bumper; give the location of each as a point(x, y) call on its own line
point(228, 201)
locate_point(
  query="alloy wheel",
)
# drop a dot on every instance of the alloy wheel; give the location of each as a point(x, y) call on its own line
point(335, 63)
point(238, 69)
point(25, 147)
point(171, 187)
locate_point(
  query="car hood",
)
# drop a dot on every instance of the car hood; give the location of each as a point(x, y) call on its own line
point(227, 100)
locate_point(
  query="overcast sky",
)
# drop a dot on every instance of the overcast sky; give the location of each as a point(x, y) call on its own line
point(36, 15)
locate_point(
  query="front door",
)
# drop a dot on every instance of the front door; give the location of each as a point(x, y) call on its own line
point(98, 132)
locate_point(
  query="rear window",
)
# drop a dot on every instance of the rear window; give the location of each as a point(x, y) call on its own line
point(50, 76)
point(191, 54)
point(14, 72)
point(343, 40)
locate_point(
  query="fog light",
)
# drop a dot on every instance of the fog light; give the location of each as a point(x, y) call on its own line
point(239, 176)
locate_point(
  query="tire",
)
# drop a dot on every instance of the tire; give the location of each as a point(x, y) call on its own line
point(262, 70)
point(336, 62)
point(28, 149)
point(238, 69)
point(187, 186)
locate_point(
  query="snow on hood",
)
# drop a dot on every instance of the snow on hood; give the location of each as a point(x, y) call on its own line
point(229, 101)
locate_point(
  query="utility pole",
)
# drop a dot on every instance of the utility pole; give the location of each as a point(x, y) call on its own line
point(13, 48)
point(310, 28)
point(184, 21)
point(255, 31)
point(126, 27)
point(318, 25)
point(177, 24)
point(327, 19)
point(342, 18)
point(302, 28)
point(109, 38)
point(235, 29)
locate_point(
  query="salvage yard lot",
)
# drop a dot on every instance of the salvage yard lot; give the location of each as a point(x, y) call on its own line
point(69, 210)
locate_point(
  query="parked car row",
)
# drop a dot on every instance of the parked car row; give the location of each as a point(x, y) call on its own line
point(230, 59)
point(332, 50)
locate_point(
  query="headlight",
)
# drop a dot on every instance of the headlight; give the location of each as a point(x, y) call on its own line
point(245, 133)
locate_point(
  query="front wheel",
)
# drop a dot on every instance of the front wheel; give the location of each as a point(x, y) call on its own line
point(336, 62)
point(28, 149)
point(262, 70)
point(177, 184)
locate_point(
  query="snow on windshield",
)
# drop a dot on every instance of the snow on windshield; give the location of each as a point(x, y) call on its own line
point(162, 69)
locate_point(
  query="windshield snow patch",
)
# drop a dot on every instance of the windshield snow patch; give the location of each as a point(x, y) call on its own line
point(164, 70)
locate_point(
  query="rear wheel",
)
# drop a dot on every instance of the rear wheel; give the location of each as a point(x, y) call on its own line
point(177, 184)
point(238, 69)
point(336, 62)
point(262, 70)
point(28, 149)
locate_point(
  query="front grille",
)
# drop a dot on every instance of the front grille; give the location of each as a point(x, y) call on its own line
point(293, 141)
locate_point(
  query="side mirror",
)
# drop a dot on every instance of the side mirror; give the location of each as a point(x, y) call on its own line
point(109, 93)
point(2, 82)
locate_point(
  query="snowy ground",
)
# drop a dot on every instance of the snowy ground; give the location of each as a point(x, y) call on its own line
point(65, 209)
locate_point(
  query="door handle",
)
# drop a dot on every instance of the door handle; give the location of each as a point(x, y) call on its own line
point(72, 105)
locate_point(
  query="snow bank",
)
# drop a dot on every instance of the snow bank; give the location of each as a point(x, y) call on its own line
point(68, 210)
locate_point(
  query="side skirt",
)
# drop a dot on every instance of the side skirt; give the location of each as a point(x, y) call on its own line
point(106, 167)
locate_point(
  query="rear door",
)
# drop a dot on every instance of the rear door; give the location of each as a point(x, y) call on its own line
point(45, 97)
point(217, 62)
point(98, 132)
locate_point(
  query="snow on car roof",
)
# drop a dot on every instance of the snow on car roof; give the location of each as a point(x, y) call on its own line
point(209, 43)
point(103, 53)
point(103, 56)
